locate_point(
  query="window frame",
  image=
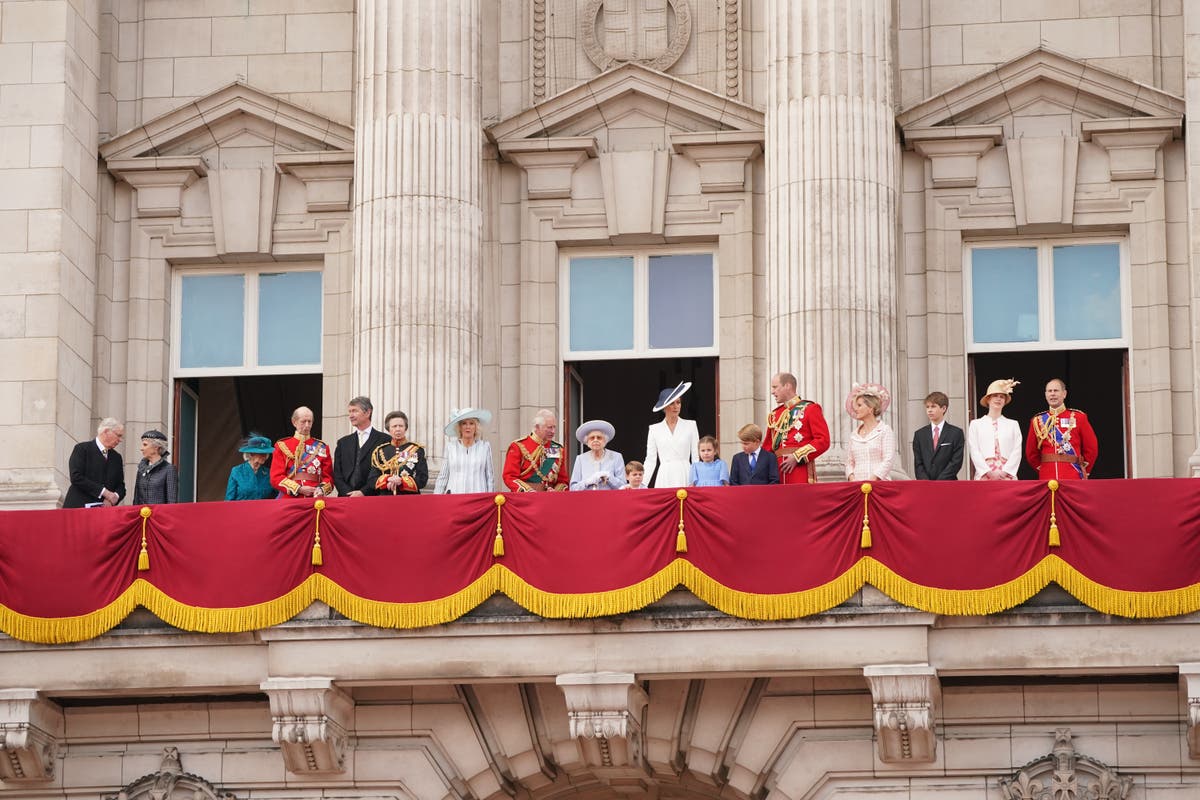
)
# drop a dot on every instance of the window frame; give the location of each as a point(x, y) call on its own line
point(1045, 265)
point(250, 320)
point(641, 303)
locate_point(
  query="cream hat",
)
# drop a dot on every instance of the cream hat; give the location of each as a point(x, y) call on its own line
point(1002, 386)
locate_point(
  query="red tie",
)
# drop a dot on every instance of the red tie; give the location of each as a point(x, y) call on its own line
point(936, 428)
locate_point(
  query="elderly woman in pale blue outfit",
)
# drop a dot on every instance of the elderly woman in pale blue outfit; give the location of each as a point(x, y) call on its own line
point(467, 467)
point(598, 467)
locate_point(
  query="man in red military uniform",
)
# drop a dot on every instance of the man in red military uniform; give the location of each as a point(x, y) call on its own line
point(796, 432)
point(1061, 443)
point(535, 463)
point(302, 466)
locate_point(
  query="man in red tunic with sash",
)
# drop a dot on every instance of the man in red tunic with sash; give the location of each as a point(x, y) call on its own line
point(1061, 443)
point(302, 466)
point(535, 463)
point(796, 432)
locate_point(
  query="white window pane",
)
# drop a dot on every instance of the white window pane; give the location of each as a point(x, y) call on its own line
point(1004, 294)
point(1087, 292)
point(681, 301)
point(289, 318)
point(601, 304)
point(212, 321)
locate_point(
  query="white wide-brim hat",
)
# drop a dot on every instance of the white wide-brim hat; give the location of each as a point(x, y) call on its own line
point(458, 415)
point(595, 425)
point(668, 396)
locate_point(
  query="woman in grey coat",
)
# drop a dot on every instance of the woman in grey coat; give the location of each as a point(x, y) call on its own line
point(157, 479)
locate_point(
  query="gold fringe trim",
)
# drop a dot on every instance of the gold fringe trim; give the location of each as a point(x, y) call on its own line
point(745, 605)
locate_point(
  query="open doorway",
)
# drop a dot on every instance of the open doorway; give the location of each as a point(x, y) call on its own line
point(1097, 384)
point(213, 414)
point(623, 391)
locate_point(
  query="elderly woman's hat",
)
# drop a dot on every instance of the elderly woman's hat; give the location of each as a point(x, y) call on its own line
point(1002, 386)
point(668, 396)
point(581, 433)
point(457, 415)
point(157, 436)
point(870, 389)
point(260, 445)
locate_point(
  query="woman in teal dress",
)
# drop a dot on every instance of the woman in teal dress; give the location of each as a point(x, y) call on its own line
point(251, 480)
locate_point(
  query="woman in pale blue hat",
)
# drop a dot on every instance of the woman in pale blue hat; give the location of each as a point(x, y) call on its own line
point(468, 464)
point(673, 444)
point(599, 467)
point(251, 480)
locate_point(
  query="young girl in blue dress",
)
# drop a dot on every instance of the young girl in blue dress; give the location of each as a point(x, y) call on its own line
point(709, 470)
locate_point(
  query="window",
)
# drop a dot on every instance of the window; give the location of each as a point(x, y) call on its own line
point(249, 321)
point(650, 304)
point(1036, 296)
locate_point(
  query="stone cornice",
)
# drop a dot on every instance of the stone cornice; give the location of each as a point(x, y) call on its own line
point(159, 181)
point(954, 151)
point(721, 155)
point(548, 162)
point(327, 176)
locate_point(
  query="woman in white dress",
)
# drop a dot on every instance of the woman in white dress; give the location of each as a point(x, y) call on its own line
point(871, 450)
point(468, 464)
point(994, 441)
point(599, 467)
point(673, 444)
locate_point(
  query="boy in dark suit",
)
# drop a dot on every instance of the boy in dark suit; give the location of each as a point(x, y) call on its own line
point(749, 467)
point(97, 470)
point(938, 446)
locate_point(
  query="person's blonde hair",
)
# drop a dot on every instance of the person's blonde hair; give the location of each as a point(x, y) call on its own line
point(873, 401)
point(750, 433)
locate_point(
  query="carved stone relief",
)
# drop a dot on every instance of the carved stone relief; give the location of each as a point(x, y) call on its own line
point(30, 727)
point(906, 699)
point(170, 782)
point(311, 722)
point(1065, 775)
point(653, 33)
point(604, 711)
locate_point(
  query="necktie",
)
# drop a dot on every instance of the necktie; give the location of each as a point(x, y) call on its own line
point(753, 460)
point(936, 430)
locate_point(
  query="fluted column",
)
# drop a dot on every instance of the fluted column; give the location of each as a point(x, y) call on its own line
point(417, 215)
point(831, 200)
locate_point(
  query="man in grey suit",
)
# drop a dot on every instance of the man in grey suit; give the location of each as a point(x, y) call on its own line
point(96, 469)
point(938, 446)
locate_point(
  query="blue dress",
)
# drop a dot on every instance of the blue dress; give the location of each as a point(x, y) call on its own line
point(587, 471)
point(709, 473)
point(247, 484)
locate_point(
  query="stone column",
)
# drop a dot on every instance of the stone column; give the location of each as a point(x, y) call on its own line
point(417, 215)
point(831, 201)
point(1191, 140)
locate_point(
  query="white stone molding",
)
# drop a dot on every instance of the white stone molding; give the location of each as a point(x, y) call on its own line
point(631, 22)
point(537, 48)
point(327, 177)
point(159, 181)
point(721, 155)
point(312, 719)
point(243, 209)
point(604, 712)
point(1189, 677)
point(549, 163)
point(733, 46)
point(1065, 775)
point(1133, 143)
point(954, 151)
point(1042, 169)
point(906, 698)
point(30, 730)
point(170, 782)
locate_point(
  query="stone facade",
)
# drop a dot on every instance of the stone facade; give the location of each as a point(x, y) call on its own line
point(837, 157)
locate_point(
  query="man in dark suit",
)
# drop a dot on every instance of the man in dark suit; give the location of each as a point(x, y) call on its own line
point(938, 446)
point(96, 469)
point(352, 458)
point(749, 468)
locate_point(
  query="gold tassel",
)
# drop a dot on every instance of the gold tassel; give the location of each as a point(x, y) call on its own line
point(1054, 539)
point(681, 537)
point(317, 559)
point(144, 555)
point(865, 543)
point(498, 542)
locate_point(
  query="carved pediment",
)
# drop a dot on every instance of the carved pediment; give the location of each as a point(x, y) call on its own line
point(1041, 83)
point(236, 117)
point(170, 782)
point(629, 97)
point(1065, 775)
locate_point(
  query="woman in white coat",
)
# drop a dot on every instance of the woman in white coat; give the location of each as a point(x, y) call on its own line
point(673, 444)
point(994, 440)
